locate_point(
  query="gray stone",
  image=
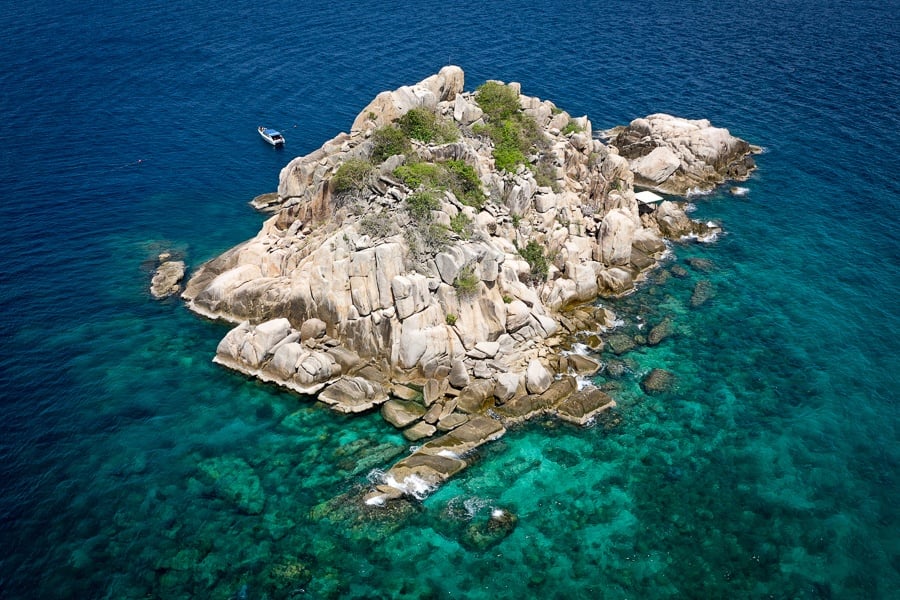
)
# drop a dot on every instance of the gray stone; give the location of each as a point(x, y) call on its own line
point(167, 278)
point(459, 375)
point(419, 430)
point(400, 413)
point(537, 377)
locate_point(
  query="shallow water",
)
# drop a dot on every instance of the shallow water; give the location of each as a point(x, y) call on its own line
point(770, 470)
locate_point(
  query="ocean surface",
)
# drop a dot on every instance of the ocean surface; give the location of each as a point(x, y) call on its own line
point(769, 471)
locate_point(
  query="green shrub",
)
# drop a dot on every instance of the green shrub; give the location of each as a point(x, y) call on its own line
point(454, 175)
point(507, 299)
point(389, 141)
point(498, 101)
point(516, 219)
point(507, 159)
point(533, 253)
point(572, 127)
point(466, 282)
point(424, 125)
point(451, 319)
point(416, 174)
point(465, 183)
point(461, 225)
point(513, 132)
point(420, 205)
point(352, 177)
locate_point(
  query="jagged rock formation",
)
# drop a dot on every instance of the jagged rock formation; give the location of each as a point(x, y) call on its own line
point(167, 278)
point(338, 295)
point(679, 156)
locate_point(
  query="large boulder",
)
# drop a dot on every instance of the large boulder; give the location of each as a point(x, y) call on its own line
point(616, 237)
point(389, 106)
point(167, 278)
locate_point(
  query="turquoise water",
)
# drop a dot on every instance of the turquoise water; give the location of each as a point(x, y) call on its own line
point(132, 467)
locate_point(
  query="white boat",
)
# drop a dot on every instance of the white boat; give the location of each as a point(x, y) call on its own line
point(270, 135)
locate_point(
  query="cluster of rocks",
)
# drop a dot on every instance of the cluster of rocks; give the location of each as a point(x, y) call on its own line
point(325, 306)
point(680, 156)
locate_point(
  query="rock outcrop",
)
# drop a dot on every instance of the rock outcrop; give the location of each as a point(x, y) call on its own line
point(679, 156)
point(167, 278)
point(448, 317)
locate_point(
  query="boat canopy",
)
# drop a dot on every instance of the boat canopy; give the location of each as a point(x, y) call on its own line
point(268, 131)
point(647, 197)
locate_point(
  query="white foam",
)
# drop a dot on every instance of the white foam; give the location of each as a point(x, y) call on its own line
point(739, 191)
point(582, 349)
point(448, 454)
point(582, 382)
point(690, 207)
point(694, 192)
point(375, 476)
point(497, 513)
point(413, 486)
point(473, 505)
point(376, 501)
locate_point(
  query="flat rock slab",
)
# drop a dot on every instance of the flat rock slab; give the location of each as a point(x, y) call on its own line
point(419, 473)
point(353, 395)
point(401, 413)
point(478, 430)
point(583, 405)
point(583, 365)
point(527, 407)
point(419, 430)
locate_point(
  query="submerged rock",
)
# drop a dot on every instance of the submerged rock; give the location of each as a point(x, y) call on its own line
point(703, 291)
point(658, 381)
point(233, 480)
point(481, 535)
point(660, 332)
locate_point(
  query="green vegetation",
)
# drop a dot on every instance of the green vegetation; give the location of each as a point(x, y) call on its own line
point(420, 205)
point(533, 253)
point(425, 240)
point(424, 125)
point(389, 141)
point(416, 174)
point(507, 299)
point(516, 219)
point(352, 177)
point(572, 127)
point(499, 102)
point(545, 174)
point(451, 319)
point(461, 225)
point(466, 283)
point(514, 133)
point(377, 225)
point(453, 175)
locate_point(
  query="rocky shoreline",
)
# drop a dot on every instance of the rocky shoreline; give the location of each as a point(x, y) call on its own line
point(434, 262)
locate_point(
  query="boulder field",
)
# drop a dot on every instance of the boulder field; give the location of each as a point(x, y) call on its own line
point(448, 319)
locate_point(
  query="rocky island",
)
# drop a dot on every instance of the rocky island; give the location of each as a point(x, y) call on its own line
point(436, 262)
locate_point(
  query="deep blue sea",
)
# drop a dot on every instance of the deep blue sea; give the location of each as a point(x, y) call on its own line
point(771, 470)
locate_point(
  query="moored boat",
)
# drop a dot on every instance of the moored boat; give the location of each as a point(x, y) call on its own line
point(270, 135)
